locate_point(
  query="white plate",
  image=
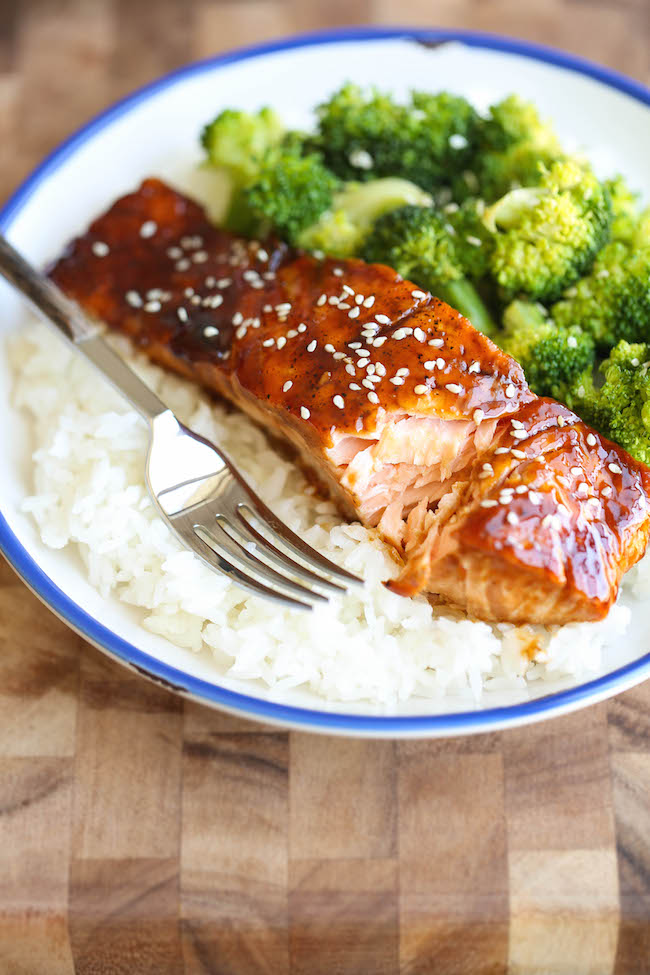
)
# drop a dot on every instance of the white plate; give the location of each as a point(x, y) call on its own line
point(155, 132)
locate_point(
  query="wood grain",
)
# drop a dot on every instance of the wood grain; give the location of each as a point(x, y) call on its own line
point(142, 834)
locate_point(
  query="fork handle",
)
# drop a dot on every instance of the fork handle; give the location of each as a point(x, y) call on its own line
point(59, 310)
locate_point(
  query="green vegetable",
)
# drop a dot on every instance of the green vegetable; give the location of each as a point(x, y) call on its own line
point(236, 141)
point(620, 409)
point(552, 357)
point(342, 229)
point(417, 243)
point(613, 301)
point(513, 145)
point(289, 194)
point(366, 136)
point(547, 236)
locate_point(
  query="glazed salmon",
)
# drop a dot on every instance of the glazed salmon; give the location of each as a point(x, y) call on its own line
point(497, 501)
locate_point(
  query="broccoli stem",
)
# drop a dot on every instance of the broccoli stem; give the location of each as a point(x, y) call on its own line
point(463, 296)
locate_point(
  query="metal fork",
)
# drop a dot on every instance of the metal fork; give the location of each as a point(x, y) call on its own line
point(196, 489)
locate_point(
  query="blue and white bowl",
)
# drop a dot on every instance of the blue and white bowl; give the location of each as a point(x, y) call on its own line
point(154, 131)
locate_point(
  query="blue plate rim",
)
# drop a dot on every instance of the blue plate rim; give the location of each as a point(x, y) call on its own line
point(479, 720)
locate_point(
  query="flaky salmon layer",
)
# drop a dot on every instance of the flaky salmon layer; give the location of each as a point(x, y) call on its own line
point(498, 502)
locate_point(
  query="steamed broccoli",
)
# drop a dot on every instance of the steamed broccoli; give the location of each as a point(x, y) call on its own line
point(620, 409)
point(552, 357)
point(342, 229)
point(365, 136)
point(416, 242)
point(473, 241)
point(613, 301)
point(236, 141)
point(513, 145)
point(288, 194)
point(547, 236)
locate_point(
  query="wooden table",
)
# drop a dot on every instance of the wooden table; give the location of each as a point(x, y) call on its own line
point(139, 834)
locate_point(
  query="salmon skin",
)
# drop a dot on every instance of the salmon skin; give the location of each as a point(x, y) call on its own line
point(499, 502)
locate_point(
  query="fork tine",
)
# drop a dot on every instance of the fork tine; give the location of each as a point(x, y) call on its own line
point(215, 560)
point(280, 559)
point(229, 548)
point(293, 542)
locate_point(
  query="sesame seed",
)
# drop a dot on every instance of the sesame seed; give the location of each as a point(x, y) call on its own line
point(615, 469)
point(338, 271)
point(534, 498)
point(474, 241)
point(454, 388)
point(348, 290)
point(576, 471)
point(354, 345)
point(418, 294)
point(400, 334)
point(311, 346)
point(477, 416)
point(269, 275)
point(284, 306)
point(241, 331)
point(488, 467)
point(572, 342)
point(383, 319)
point(148, 228)
point(224, 282)
point(517, 424)
point(248, 275)
point(603, 273)
point(373, 398)
point(503, 450)
point(475, 367)
point(329, 347)
point(606, 491)
point(291, 334)
point(354, 386)
point(489, 503)
point(548, 521)
point(133, 299)
point(583, 489)
point(338, 401)
point(362, 353)
point(302, 327)
point(262, 254)
point(152, 306)
point(396, 381)
point(195, 300)
point(281, 342)
point(402, 372)
point(361, 159)
point(521, 489)
point(237, 318)
point(369, 302)
point(175, 253)
point(183, 265)
point(354, 313)
point(510, 391)
point(351, 371)
point(436, 343)
point(512, 518)
point(344, 305)
point(359, 299)
point(367, 383)
point(287, 386)
point(182, 314)
point(216, 301)
point(200, 257)
point(519, 454)
point(188, 292)
point(421, 389)
point(520, 434)
point(430, 364)
point(100, 249)
point(561, 422)
point(210, 331)
point(440, 363)
point(304, 412)
point(338, 355)
point(380, 341)
point(321, 301)
point(419, 335)
point(267, 343)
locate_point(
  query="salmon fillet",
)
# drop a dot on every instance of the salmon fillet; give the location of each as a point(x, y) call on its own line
point(497, 501)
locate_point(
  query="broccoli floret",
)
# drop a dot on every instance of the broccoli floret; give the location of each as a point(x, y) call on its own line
point(366, 136)
point(547, 236)
point(613, 301)
point(472, 239)
point(236, 141)
point(416, 242)
point(552, 357)
point(289, 194)
point(620, 409)
point(513, 147)
point(625, 210)
point(341, 230)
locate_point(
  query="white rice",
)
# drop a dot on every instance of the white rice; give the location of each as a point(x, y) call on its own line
point(89, 492)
